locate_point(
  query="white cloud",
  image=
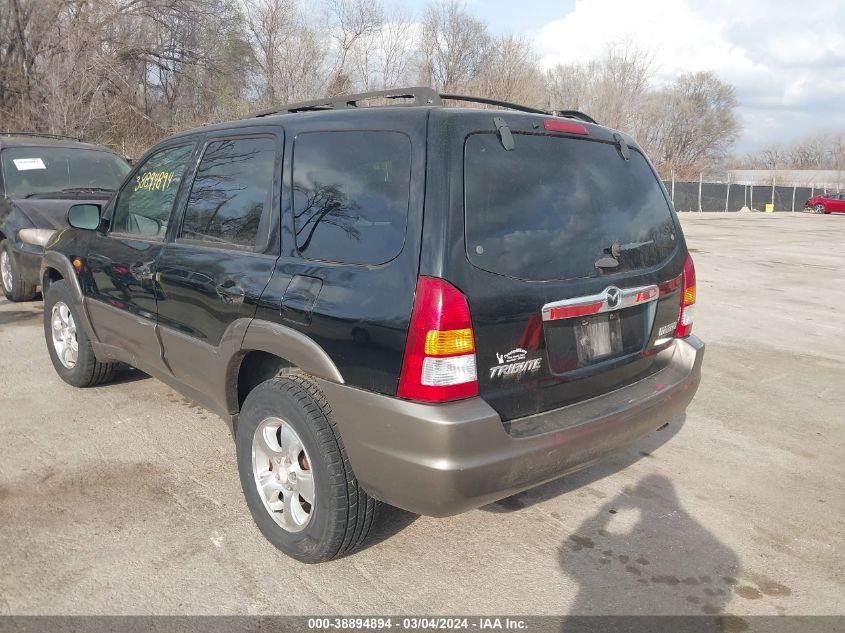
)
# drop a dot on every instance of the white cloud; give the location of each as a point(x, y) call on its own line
point(786, 59)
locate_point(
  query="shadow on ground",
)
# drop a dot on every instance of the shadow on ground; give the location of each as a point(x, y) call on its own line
point(19, 317)
point(625, 545)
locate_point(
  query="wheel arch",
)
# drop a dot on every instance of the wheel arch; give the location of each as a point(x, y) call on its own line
point(269, 349)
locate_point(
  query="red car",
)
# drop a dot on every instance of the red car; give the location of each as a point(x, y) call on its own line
point(827, 203)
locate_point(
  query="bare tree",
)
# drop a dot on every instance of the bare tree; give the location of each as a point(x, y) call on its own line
point(286, 49)
point(352, 23)
point(128, 72)
point(382, 59)
point(819, 151)
point(510, 72)
point(690, 124)
point(454, 46)
point(611, 89)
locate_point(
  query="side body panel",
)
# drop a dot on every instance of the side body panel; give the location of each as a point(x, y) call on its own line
point(358, 314)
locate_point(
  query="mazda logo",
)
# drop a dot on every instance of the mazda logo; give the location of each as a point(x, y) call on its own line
point(614, 296)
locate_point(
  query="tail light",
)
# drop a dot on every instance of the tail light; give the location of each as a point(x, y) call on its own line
point(439, 363)
point(687, 299)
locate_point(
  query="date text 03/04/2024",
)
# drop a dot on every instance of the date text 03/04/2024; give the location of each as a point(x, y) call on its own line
point(418, 623)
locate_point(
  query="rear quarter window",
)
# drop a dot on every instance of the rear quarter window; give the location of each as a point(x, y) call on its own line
point(350, 195)
point(553, 206)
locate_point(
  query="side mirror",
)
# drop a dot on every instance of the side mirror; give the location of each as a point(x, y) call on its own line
point(84, 216)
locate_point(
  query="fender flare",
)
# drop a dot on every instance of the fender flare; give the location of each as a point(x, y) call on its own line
point(292, 345)
point(282, 341)
point(61, 263)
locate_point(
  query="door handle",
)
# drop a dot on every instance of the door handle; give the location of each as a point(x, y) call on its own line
point(230, 292)
point(142, 271)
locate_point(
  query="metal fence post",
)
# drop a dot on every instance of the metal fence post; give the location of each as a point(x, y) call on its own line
point(773, 192)
point(700, 180)
point(752, 197)
point(727, 193)
point(673, 186)
point(793, 197)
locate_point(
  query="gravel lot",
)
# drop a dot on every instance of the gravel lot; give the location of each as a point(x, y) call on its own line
point(124, 499)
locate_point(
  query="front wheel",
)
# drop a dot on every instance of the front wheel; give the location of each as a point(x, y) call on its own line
point(14, 286)
point(295, 474)
point(68, 344)
point(820, 208)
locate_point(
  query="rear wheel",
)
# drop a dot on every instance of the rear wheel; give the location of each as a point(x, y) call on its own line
point(295, 474)
point(14, 286)
point(68, 344)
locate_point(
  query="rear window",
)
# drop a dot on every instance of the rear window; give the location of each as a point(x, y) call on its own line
point(554, 206)
point(350, 195)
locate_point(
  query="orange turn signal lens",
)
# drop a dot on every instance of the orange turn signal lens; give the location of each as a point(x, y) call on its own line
point(689, 296)
point(449, 342)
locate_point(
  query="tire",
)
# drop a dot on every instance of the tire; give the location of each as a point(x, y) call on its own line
point(85, 370)
point(14, 287)
point(339, 515)
point(820, 209)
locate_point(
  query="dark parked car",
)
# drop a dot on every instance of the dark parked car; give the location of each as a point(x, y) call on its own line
point(41, 176)
point(428, 306)
point(827, 203)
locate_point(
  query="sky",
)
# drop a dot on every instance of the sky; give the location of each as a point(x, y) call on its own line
point(785, 59)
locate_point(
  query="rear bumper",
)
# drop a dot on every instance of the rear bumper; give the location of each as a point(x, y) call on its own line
point(440, 460)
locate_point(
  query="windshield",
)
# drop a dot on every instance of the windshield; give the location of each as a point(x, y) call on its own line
point(40, 170)
point(562, 208)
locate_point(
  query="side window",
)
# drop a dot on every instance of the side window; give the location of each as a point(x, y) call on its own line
point(232, 189)
point(350, 195)
point(143, 206)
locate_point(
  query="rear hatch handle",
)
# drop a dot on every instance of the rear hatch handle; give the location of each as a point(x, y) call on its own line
point(504, 132)
point(622, 146)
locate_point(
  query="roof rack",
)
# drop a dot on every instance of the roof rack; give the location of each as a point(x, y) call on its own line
point(40, 135)
point(420, 96)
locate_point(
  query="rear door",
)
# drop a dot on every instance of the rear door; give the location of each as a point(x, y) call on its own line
point(567, 240)
point(223, 250)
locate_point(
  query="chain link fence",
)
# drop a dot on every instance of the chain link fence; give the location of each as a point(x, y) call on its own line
point(723, 196)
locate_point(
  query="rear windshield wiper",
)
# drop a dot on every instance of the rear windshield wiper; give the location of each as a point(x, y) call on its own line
point(615, 251)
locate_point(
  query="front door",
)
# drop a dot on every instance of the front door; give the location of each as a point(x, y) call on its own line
point(122, 262)
point(211, 275)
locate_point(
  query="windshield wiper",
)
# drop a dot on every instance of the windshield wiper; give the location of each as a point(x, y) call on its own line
point(54, 194)
point(74, 189)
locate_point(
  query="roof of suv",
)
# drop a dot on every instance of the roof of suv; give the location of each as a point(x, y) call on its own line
point(30, 140)
point(423, 101)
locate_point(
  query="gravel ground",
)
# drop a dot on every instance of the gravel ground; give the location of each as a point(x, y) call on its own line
point(124, 499)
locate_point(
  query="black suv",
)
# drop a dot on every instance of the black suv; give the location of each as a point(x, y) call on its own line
point(429, 306)
point(41, 175)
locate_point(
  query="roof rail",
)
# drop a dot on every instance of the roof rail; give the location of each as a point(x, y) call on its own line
point(421, 95)
point(41, 135)
point(575, 114)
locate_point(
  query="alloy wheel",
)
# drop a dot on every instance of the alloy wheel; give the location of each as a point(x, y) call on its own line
point(64, 334)
point(6, 271)
point(282, 472)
